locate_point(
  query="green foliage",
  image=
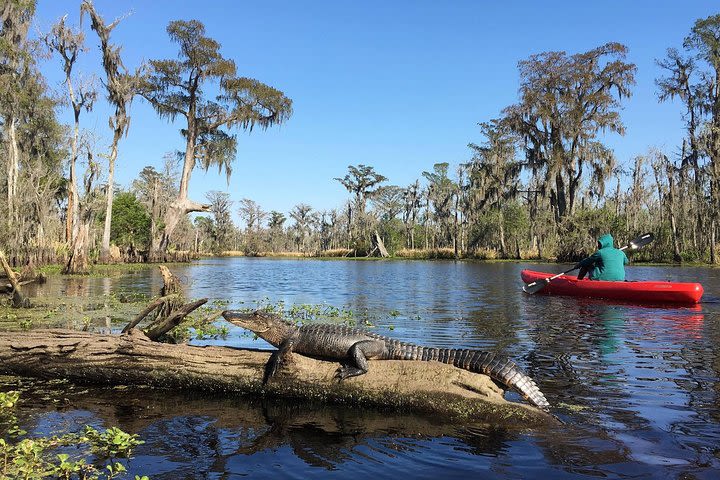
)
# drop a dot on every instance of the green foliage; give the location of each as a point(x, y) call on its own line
point(179, 87)
point(111, 443)
point(566, 102)
point(200, 325)
point(494, 171)
point(517, 220)
point(579, 233)
point(8, 400)
point(393, 234)
point(306, 312)
point(22, 456)
point(198, 329)
point(484, 231)
point(130, 222)
point(362, 181)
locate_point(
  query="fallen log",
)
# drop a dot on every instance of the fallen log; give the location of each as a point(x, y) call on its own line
point(133, 359)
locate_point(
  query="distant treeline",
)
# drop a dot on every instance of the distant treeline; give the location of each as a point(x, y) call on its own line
point(539, 183)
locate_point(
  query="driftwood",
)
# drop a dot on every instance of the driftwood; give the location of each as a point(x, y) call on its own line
point(27, 276)
point(18, 299)
point(133, 359)
point(168, 310)
point(164, 325)
point(8, 288)
point(145, 312)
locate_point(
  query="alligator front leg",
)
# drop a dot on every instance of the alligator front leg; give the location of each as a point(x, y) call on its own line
point(358, 354)
point(279, 357)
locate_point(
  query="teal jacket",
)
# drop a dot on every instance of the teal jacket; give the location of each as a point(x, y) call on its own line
point(608, 262)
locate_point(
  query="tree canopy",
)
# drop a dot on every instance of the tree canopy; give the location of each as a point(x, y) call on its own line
point(566, 101)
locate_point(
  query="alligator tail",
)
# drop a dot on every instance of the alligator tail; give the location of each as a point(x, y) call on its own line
point(497, 367)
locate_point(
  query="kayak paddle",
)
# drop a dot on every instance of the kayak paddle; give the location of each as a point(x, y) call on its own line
point(634, 244)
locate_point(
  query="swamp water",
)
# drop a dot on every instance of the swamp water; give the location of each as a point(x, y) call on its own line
point(637, 387)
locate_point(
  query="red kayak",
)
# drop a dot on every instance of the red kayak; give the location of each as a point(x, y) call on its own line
point(653, 292)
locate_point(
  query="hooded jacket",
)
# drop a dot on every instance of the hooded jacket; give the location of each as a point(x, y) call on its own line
point(608, 262)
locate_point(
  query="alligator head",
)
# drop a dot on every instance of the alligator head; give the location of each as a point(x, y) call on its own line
point(269, 327)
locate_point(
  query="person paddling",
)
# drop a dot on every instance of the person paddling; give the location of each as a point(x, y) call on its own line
point(608, 263)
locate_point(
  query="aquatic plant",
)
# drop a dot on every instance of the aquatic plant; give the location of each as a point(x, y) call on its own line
point(35, 457)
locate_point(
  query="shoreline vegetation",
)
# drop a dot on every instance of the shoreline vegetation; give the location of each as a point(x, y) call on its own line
point(434, 254)
point(109, 269)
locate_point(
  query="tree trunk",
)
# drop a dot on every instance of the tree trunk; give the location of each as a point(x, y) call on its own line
point(78, 261)
point(72, 203)
point(175, 213)
point(455, 227)
point(379, 245)
point(12, 169)
point(671, 212)
point(105, 247)
point(560, 199)
point(154, 214)
point(18, 299)
point(132, 359)
point(713, 253)
point(503, 245)
point(182, 205)
point(427, 223)
point(72, 215)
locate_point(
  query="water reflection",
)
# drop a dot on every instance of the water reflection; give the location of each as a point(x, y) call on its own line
point(191, 435)
point(640, 372)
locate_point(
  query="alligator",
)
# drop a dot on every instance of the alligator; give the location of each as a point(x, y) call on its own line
point(353, 347)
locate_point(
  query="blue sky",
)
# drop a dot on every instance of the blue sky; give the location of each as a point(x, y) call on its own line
point(399, 85)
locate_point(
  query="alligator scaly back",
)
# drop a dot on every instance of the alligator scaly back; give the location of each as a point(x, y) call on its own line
point(497, 367)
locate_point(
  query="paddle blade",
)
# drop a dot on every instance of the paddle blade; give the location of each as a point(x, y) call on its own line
point(536, 286)
point(641, 241)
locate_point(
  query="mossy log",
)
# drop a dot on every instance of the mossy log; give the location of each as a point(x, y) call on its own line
point(133, 359)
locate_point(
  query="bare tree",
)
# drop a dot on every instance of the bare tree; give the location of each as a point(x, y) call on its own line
point(17, 68)
point(121, 88)
point(362, 181)
point(69, 44)
point(87, 207)
point(220, 205)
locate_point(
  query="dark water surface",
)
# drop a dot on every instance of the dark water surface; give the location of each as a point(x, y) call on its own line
point(637, 386)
